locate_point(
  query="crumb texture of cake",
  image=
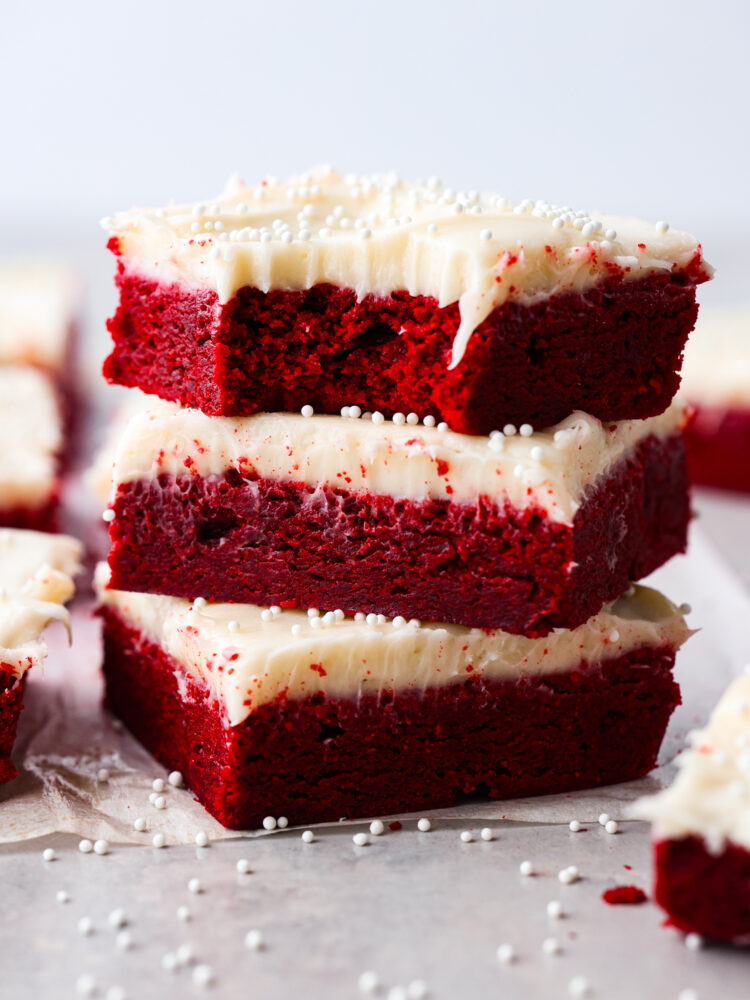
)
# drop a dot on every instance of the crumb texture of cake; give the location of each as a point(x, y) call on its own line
point(716, 380)
point(311, 717)
point(701, 826)
point(36, 580)
point(401, 297)
point(524, 532)
point(31, 448)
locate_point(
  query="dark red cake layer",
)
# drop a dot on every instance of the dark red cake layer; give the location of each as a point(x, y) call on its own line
point(11, 703)
point(719, 448)
point(258, 541)
point(613, 351)
point(319, 759)
point(43, 518)
point(705, 893)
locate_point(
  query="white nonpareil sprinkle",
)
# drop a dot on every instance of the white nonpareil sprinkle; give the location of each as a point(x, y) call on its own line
point(85, 926)
point(159, 840)
point(201, 839)
point(158, 785)
point(101, 847)
point(485, 833)
point(269, 823)
point(485, 234)
point(525, 430)
point(506, 954)
point(62, 896)
point(117, 918)
point(265, 616)
point(169, 962)
point(614, 636)
point(296, 630)
point(398, 622)
point(509, 430)
point(611, 827)
point(160, 802)
point(569, 875)
point(85, 847)
point(199, 603)
point(203, 976)
point(424, 825)
point(526, 868)
point(361, 839)
point(254, 940)
point(377, 827)
point(183, 914)
point(603, 819)
point(551, 946)
point(377, 417)
point(399, 419)
point(102, 775)
point(368, 982)
point(124, 941)
point(579, 987)
point(574, 826)
point(662, 227)
point(412, 419)
point(243, 867)
point(185, 954)
point(139, 824)
point(442, 427)
point(194, 885)
point(307, 410)
point(693, 941)
point(86, 985)
point(308, 837)
point(234, 625)
point(555, 909)
point(48, 854)
point(108, 515)
point(466, 837)
point(282, 822)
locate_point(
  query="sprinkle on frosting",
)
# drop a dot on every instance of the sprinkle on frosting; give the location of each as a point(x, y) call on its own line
point(378, 234)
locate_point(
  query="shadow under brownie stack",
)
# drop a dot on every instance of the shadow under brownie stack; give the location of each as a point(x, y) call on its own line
point(373, 549)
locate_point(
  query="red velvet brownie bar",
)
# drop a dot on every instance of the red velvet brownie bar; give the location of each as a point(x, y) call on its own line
point(717, 384)
point(36, 573)
point(31, 448)
point(702, 827)
point(400, 298)
point(271, 712)
point(520, 531)
point(38, 315)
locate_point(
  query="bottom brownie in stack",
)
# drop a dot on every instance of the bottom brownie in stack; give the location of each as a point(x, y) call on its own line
point(702, 827)
point(316, 717)
point(36, 573)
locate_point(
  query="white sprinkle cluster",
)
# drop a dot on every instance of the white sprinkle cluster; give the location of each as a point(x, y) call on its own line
point(569, 875)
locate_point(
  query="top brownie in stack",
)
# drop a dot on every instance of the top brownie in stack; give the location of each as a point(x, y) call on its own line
point(397, 298)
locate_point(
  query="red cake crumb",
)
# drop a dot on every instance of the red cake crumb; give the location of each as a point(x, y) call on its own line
point(624, 895)
point(395, 825)
point(614, 351)
point(703, 892)
point(317, 759)
point(260, 541)
point(718, 440)
point(11, 703)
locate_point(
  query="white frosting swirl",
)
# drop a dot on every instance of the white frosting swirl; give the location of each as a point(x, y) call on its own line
point(378, 234)
point(248, 656)
point(31, 437)
point(710, 797)
point(36, 572)
point(551, 468)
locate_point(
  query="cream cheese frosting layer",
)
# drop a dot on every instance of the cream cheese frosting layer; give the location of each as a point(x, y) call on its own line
point(550, 468)
point(248, 656)
point(36, 579)
point(379, 234)
point(38, 303)
point(32, 437)
point(710, 797)
point(716, 369)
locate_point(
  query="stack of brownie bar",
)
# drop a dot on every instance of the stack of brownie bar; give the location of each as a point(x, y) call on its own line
point(373, 549)
point(38, 392)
